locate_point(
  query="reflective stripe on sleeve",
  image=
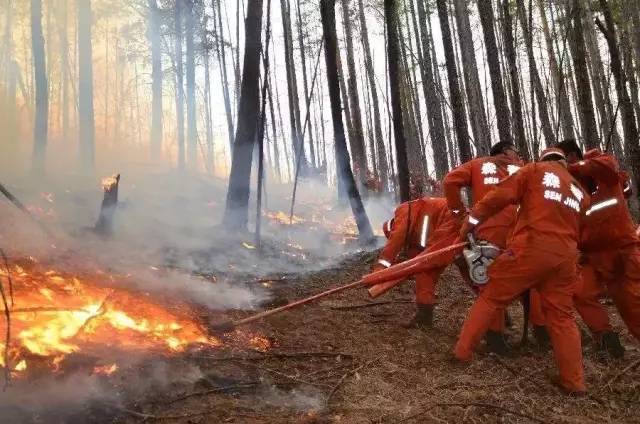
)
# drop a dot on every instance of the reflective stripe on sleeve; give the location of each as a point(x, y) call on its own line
point(384, 263)
point(602, 205)
point(425, 231)
point(473, 221)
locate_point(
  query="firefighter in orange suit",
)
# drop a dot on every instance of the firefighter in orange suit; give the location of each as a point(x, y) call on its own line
point(541, 253)
point(610, 247)
point(412, 229)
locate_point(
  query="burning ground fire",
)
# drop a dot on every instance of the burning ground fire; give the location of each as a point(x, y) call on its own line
point(55, 315)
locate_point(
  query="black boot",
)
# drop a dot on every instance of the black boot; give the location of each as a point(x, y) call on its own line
point(541, 335)
point(610, 342)
point(496, 343)
point(423, 317)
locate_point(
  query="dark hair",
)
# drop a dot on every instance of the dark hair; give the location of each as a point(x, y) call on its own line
point(568, 146)
point(500, 147)
point(552, 157)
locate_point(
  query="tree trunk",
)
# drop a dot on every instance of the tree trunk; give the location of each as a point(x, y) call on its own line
point(485, 9)
point(307, 95)
point(562, 98)
point(206, 49)
point(543, 111)
point(477, 115)
point(579, 54)
point(237, 206)
point(40, 128)
point(85, 88)
point(327, 12)
point(434, 111)
point(192, 129)
point(395, 78)
point(632, 148)
point(179, 83)
point(218, 33)
point(156, 79)
point(292, 90)
point(510, 51)
point(383, 166)
point(354, 97)
point(457, 104)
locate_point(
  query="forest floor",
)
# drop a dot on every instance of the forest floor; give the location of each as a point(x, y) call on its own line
point(346, 359)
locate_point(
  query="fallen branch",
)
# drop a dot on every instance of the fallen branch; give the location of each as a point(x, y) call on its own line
point(368, 305)
point(6, 266)
point(215, 390)
point(287, 376)
point(477, 405)
point(344, 377)
point(628, 368)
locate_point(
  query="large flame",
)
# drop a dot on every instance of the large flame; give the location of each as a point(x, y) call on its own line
point(55, 314)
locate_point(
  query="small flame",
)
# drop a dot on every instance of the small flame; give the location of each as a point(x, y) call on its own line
point(105, 369)
point(108, 183)
point(21, 366)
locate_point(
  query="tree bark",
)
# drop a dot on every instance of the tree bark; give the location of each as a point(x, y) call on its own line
point(218, 33)
point(457, 104)
point(156, 79)
point(485, 9)
point(543, 111)
point(192, 129)
point(632, 147)
point(579, 54)
point(303, 60)
point(394, 61)
point(434, 111)
point(85, 88)
point(477, 113)
point(327, 12)
point(510, 51)
point(179, 82)
point(383, 166)
point(237, 206)
point(40, 129)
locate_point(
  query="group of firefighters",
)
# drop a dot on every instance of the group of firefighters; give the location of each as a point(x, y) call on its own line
point(562, 233)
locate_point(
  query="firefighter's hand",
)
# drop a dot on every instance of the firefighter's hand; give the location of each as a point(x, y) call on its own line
point(467, 227)
point(460, 214)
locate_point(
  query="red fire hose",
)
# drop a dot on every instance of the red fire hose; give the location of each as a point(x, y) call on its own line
point(391, 276)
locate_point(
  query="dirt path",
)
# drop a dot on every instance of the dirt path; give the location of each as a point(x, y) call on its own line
point(341, 361)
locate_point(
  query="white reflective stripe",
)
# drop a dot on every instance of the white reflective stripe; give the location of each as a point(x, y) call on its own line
point(627, 187)
point(473, 221)
point(602, 205)
point(386, 227)
point(425, 231)
point(638, 231)
point(384, 263)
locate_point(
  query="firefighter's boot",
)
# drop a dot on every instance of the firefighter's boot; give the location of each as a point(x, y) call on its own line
point(610, 342)
point(422, 319)
point(496, 343)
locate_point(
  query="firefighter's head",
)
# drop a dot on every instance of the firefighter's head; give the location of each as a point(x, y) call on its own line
point(553, 154)
point(505, 148)
point(571, 149)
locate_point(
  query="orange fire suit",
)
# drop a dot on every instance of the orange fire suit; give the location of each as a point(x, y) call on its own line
point(413, 226)
point(541, 253)
point(610, 246)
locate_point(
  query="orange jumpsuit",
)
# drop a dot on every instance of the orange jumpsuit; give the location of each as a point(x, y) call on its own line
point(413, 226)
point(610, 246)
point(542, 253)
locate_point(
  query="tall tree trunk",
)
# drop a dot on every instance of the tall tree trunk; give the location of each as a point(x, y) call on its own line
point(354, 97)
point(543, 111)
point(156, 79)
point(307, 95)
point(327, 12)
point(434, 111)
point(347, 110)
point(563, 105)
point(206, 49)
point(477, 114)
point(395, 78)
point(383, 166)
point(218, 33)
point(40, 128)
point(192, 129)
point(274, 135)
point(485, 9)
point(85, 92)
point(579, 54)
point(63, 44)
point(237, 206)
point(457, 104)
point(632, 146)
point(510, 51)
point(292, 90)
point(179, 82)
